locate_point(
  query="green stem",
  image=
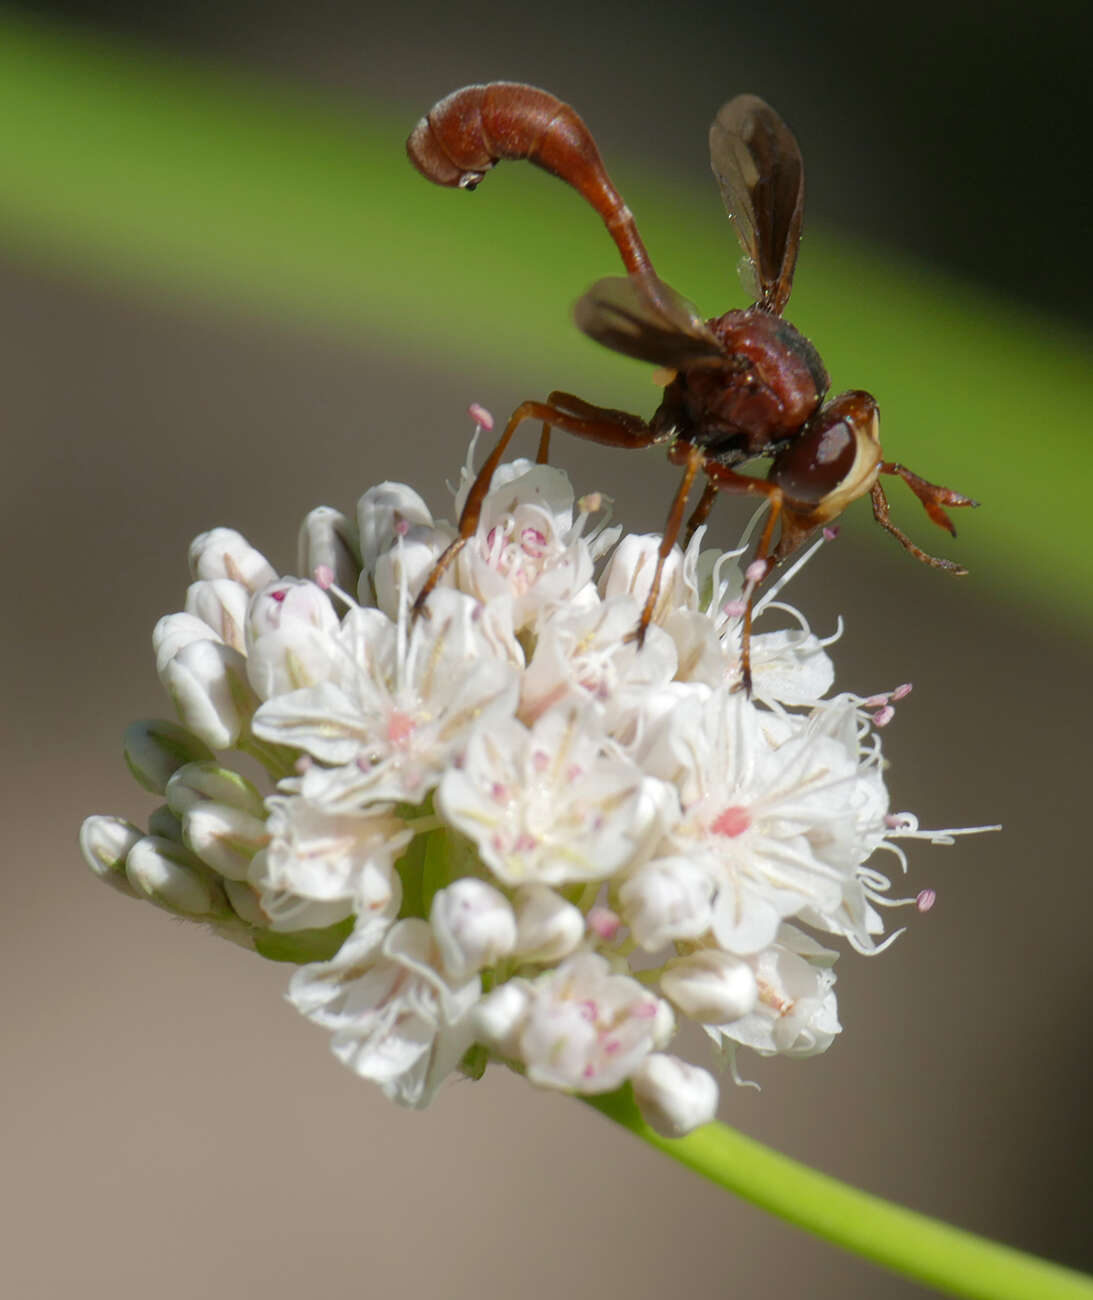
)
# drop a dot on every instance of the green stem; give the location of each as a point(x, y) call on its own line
point(941, 1256)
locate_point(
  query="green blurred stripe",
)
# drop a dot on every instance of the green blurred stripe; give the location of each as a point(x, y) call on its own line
point(118, 161)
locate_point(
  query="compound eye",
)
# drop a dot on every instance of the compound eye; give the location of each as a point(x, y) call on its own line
point(834, 460)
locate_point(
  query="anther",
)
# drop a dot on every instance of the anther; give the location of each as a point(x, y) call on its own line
point(481, 417)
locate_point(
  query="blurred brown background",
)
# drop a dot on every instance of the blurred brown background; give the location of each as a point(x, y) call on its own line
point(173, 1128)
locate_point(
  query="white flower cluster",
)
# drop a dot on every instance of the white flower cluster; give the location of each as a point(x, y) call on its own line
point(502, 830)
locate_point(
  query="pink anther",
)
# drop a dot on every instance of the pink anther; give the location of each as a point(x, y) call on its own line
point(324, 576)
point(731, 822)
point(481, 416)
point(925, 899)
point(604, 923)
point(884, 716)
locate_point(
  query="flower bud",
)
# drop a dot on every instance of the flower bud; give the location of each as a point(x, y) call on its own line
point(224, 553)
point(409, 563)
point(666, 901)
point(155, 749)
point(631, 568)
point(224, 838)
point(382, 513)
point(711, 987)
point(165, 824)
point(674, 1097)
point(244, 903)
point(207, 682)
point(547, 927)
point(291, 630)
point(222, 606)
point(498, 1016)
point(199, 782)
point(473, 926)
point(172, 878)
point(172, 632)
point(328, 539)
point(105, 843)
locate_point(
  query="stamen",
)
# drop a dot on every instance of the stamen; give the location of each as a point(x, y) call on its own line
point(831, 532)
point(481, 416)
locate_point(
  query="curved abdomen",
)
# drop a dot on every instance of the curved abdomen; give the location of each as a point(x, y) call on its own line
point(466, 133)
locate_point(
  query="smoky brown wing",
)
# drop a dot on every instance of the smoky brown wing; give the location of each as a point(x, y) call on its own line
point(647, 320)
point(758, 167)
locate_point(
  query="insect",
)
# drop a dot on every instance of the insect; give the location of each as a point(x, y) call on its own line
point(740, 386)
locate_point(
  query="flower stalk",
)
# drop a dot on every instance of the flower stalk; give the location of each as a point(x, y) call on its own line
point(949, 1259)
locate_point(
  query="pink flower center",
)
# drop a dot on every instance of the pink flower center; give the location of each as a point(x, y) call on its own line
point(733, 821)
point(400, 727)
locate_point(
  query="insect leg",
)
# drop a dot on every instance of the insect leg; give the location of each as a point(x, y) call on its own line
point(880, 514)
point(610, 428)
point(932, 495)
point(701, 512)
point(692, 465)
point(724, 479)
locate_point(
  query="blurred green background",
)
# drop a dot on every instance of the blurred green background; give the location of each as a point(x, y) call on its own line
point(225, 298)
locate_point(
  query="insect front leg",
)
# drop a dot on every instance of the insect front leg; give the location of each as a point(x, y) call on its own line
point(933, 498)
point(932, 495)
point(724, 479)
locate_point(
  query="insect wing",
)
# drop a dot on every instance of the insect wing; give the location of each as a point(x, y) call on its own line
point(758, 167)
point(645, 319)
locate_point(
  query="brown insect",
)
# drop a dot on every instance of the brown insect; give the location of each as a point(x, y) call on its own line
point(743, 385)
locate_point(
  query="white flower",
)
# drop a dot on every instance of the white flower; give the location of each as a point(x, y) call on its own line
point(399, 708)
point(585, 1029)
point(795, 1013)
point(770, 811)
point(321, 867)
point(527, 546)
point(590, 655)
point(396, 1018)
point(550, 804)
